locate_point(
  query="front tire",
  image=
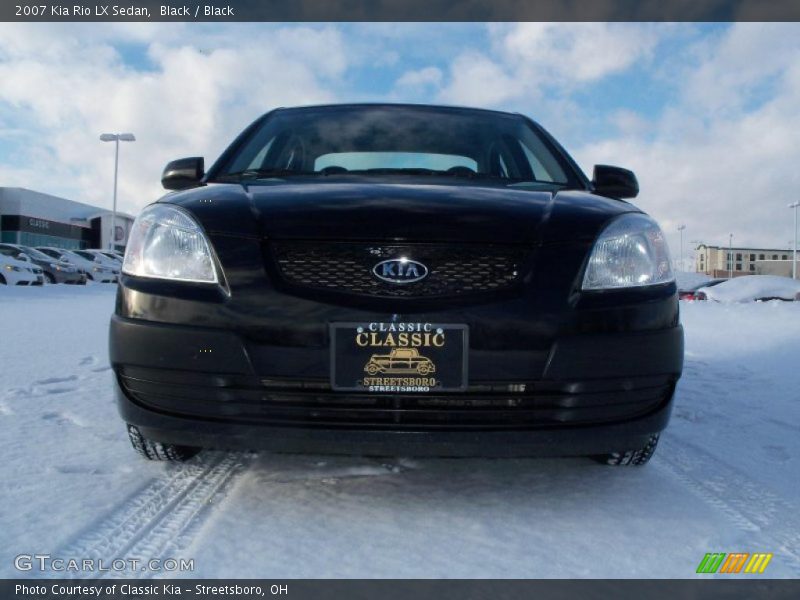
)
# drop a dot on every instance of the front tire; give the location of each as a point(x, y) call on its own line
point(638, 457)
point(49, 278)
point(152, 450)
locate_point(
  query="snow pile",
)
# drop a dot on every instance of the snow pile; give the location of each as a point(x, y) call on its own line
point(754, 287)
point(689, 281)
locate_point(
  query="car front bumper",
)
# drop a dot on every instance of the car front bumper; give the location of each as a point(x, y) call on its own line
point(205, 387)
point(65, 277)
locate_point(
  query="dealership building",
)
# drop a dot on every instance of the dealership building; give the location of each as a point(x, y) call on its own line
point(35, 219)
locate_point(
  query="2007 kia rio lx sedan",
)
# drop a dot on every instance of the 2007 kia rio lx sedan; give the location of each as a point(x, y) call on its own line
point(396, 279)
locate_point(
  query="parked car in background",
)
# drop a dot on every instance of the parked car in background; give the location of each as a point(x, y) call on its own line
point(94, 270)
point(691, 293)
point(114, 254)
point(54, 270)
point(753, 288)
point(17, 272)
point(98, 255)
point(117, 258)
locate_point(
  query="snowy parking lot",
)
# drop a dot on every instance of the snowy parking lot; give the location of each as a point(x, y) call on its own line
point(725, 478)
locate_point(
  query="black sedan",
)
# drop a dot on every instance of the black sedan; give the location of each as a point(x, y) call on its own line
point(396, 279)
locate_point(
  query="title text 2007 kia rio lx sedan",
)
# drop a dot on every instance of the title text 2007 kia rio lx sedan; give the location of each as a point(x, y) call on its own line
point(396, 280)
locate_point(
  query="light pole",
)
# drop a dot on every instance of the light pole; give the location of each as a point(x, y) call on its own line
point(730, 256)
point(697, 244)
point(116, 138)
point(794, 205)
point(681, 228)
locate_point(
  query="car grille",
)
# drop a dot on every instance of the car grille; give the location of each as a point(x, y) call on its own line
point(453, 269)
point(485, 406)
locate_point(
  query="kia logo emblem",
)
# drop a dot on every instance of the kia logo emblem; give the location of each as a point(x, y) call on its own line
point(400, 270)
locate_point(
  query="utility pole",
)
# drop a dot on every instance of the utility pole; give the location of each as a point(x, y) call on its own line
point(794, 254)
point(697, 244)
point(680, 229)
point(116, 138)
point(730, 256)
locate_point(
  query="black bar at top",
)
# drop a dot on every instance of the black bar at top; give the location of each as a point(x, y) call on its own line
point(399, 10)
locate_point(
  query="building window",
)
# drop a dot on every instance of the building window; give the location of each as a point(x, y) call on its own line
point(785, 257)
point(752, 267)
point(760, 257)
point(752, 257)
point(774, 257)
point(739, 256)
point(738, 266)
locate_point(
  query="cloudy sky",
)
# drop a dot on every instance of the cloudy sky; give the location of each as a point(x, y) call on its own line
point(708, 116)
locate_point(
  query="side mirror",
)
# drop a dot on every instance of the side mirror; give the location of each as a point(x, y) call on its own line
point(615, 182)
point(183, 173)
point(25, 257)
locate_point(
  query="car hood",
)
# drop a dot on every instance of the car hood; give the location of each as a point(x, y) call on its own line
point(8, 260)
point(414, 211)
point(82, 263)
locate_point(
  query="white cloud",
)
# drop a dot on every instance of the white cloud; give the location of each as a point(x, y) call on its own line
point(531, 60)
point(428, 76)
point(66, 87)
point(548, 53)
point(715, 160)
point(475, 79)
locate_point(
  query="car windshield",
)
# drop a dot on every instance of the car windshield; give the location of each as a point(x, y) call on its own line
point(400, 140)
point(34, 253)
point(50, 252)
point(83, 254)
point(69, 256)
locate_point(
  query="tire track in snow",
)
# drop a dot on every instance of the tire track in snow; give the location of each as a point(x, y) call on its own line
point(772, 521)
point(159, 519)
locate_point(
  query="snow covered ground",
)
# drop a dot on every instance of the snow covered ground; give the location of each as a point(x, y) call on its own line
point(726, 477)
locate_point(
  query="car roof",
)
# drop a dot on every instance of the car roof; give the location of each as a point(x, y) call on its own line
point(397, 106)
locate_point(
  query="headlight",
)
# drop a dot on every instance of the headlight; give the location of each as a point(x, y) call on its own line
point(55, 266)
point(630, 252)
point(167, 243)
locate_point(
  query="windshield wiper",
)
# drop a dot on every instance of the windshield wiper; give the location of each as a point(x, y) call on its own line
point(394, 171)
point(263, 174)
point(534, 183)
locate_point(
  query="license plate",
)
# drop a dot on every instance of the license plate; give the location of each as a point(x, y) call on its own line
point(398, 357)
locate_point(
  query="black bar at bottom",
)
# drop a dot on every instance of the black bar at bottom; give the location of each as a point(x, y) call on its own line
point(391, 589)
